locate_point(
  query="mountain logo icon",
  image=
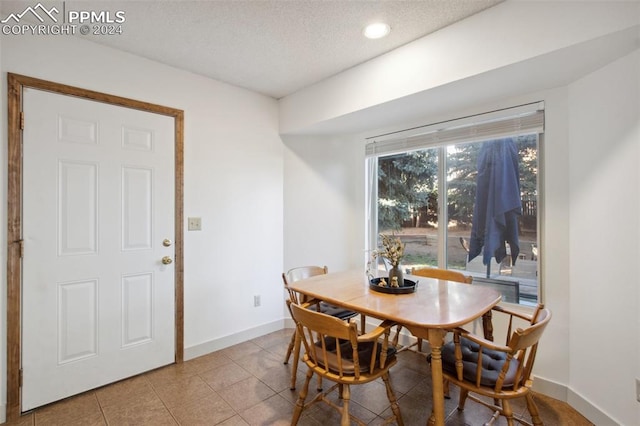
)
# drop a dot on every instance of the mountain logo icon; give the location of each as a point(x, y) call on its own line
point(38, 11)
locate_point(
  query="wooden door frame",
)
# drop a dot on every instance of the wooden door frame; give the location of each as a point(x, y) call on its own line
point(16, 84)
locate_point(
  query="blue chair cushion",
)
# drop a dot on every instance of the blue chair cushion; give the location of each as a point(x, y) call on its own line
point(365, 352)
point(336, 311)
point(492, 363)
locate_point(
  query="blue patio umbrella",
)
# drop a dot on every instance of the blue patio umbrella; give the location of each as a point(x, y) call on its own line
point(497, 205)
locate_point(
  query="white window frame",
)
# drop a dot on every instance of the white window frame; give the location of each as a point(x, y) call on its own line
point(513, 121)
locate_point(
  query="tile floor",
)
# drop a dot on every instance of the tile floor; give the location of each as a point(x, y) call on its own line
point(248, 384)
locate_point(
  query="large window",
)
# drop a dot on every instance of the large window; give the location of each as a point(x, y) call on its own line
point(427, 188)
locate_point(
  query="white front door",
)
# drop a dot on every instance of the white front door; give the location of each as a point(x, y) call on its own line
point(98, 205)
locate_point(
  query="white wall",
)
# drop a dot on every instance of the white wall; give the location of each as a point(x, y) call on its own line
point(604, 126)
point(233, 180)
point(323, 197)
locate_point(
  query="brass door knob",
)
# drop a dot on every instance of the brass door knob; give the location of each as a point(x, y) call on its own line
point(167, 242)
point(166, 260)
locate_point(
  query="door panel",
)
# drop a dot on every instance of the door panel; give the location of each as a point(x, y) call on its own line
point(77, 208)
point(98, 200)
point(77, 320)
point(137, 218)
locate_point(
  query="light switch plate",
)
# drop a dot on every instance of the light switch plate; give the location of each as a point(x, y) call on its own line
point(194, 224)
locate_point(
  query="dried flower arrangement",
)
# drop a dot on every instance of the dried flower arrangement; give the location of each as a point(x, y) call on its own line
point(392, 250)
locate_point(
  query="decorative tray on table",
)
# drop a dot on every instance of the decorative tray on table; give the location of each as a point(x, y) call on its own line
point(407, 287)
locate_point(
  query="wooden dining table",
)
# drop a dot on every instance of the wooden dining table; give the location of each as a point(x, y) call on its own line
point(434, 308)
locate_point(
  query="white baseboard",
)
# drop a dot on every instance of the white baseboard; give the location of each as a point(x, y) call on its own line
point(288, 323)
point(3, 413)
point(590, 410)
point(232, 339)
point(550, 388)
point(575, 400)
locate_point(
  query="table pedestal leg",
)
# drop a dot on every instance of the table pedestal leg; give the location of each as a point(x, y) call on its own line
point(436, 340)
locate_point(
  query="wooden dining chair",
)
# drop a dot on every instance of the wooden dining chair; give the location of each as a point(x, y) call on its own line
point(442, 274)
point(297, 274)
point(501, 372)
point(450, 275)
point(334, 350)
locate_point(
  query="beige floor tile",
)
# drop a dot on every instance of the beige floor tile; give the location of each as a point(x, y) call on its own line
point(208, 362)
point(277, 339)
point(121, 392)
point(93, 419)
point(414, 412)
point(327, 415)
point(310, 421)
point(175, 372)
point(210, 410)
point(272, 411)
point(133, 399)
point(292, 395)
point(241, 350)
point(234, 421)
point(67, 411)
point(246, 393)
point(413, 362)
point(181, 392)
point(149, 412)
point(473, 414)
point(403, 379)
point(257, 362)
point(372, 396)
point(225, 376)
point(278, 378)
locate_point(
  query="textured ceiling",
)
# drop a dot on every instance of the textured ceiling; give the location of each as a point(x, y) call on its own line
point(274, 47)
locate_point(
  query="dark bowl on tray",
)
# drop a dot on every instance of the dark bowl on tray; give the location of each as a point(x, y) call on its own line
point(408, 286)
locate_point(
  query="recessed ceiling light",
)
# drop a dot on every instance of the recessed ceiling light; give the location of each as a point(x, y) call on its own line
point(377, 30)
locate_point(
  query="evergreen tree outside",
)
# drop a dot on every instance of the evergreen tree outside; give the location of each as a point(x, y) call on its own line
point(406, 183)
point(408, 190)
